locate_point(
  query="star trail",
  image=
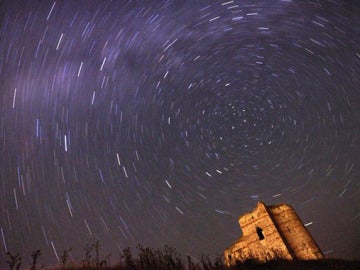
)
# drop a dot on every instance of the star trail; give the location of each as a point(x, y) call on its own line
point(160, 122)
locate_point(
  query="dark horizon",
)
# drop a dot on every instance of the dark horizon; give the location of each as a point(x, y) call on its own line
point(161, 122)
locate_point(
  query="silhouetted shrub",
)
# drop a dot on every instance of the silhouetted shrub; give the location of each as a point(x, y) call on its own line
point(35, 256)
point(169, 259)
point(13, 260)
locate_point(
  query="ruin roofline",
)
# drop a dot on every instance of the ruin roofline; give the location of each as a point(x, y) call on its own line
point(269, 232)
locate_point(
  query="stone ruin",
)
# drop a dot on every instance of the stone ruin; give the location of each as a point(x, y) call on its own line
point(272, 232)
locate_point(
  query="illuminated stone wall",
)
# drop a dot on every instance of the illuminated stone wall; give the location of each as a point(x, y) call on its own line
point(272, 232)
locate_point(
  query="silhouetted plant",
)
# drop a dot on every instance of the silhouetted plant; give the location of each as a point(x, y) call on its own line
point(97, 250)
point(64, 257)
point(104, 262)
point(219, 261)
point(147, 258)
point(206, 262)
point(168, 259)
point(35, 256)
point(88, 251)
point(13, 261)
point(127, 256)
point(191, 265)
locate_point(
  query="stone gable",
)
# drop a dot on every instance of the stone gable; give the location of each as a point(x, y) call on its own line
point(271, 232)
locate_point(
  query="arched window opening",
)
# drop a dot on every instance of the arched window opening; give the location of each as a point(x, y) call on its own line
point(260, 233)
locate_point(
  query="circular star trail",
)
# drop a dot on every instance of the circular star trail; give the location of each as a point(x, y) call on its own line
point(160, 122)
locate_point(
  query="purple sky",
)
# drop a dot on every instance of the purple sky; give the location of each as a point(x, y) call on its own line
point(160, 122)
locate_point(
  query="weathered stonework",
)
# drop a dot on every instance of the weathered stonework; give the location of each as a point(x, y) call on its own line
point(271, 232)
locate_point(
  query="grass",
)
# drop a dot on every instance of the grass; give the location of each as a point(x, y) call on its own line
point(168, 258)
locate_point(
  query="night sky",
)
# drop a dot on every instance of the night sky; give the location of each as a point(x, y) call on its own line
point(161, 122)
